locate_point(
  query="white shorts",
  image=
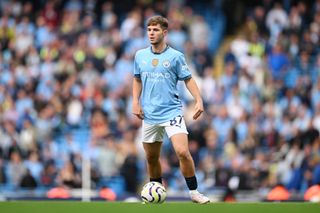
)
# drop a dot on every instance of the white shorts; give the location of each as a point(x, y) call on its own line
point(155, 132)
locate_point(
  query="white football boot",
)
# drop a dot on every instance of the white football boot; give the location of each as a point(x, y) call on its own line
point(197, 197)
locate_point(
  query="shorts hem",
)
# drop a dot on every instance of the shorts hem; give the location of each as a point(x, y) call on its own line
point(154, 141)
point(169, 136)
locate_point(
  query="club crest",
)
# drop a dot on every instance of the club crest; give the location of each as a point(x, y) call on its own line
point(155, 62)
point(166, 64)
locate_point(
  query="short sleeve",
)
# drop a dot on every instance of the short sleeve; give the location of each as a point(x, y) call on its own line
point(183, 71)
point(136, 69)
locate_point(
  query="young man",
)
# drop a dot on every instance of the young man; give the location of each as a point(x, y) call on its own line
point(157, 70)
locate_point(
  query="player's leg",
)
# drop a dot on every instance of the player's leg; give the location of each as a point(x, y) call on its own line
point(180, 145)
point(177, 132)
point(152, 136)
point(152, 151)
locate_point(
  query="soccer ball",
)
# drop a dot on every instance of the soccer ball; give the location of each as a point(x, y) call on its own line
point(153, 192)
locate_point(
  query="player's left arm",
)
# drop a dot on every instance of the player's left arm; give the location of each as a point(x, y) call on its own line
point(195, 92)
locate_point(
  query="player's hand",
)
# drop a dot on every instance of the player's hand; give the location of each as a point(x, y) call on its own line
point(199, 109)
point(137, 110)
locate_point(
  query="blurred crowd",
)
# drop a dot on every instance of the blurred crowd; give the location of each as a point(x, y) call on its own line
point(65, 94)
point(263, 112)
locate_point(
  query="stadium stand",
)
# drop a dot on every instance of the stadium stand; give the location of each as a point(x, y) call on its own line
point(65, 95)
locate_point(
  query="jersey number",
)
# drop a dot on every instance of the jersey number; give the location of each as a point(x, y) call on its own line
point(176, 121)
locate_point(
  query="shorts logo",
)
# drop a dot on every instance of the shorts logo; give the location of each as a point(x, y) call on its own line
point(166, 64)
point(155, 62)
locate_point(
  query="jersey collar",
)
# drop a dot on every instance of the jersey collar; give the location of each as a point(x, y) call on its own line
point(165, 49)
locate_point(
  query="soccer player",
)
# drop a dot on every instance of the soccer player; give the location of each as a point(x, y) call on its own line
point(157, 70)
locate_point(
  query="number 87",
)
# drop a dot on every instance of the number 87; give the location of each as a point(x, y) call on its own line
point(176, 121)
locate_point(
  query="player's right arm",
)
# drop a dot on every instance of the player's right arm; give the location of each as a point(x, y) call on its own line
point(137, 88)
point(136, 92)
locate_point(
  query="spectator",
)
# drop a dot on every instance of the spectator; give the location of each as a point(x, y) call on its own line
point(28, 181)
point(49, 174)
point(68, 176)
point(16, 170)
point(3, 177)
point(66, 70)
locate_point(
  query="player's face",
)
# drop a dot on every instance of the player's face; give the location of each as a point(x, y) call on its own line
point(156, 34)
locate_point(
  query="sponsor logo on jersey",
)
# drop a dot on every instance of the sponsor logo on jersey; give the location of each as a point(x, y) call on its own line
point(158, 75)
point(155, 76)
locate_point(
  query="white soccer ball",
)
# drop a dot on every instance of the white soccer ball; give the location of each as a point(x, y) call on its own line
point(153, 192)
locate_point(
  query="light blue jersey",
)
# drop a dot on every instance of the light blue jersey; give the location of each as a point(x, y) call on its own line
point(159, 74)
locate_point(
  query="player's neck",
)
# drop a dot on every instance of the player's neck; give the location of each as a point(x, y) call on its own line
point(159, 48)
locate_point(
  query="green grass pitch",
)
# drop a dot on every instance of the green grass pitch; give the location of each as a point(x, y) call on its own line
point(175, 207)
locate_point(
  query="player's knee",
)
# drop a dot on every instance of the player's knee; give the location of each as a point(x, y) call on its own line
point(184, 155)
